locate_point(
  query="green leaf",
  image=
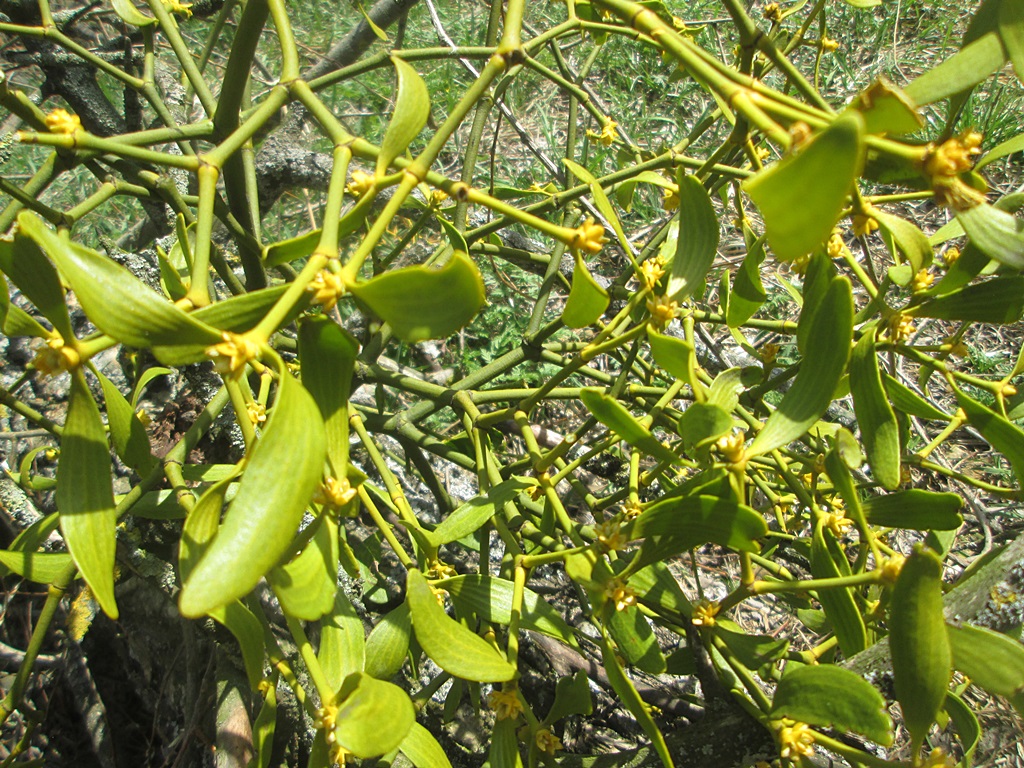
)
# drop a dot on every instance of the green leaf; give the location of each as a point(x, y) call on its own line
point(656, 586)
point(474, 513)
point(630, 699)
point(875, 417)
point(342, 642)
point(301, 246)
point(40, 567)
point(85, 496)
point(801, 196)
point(412, 108)
point(817, 279)
point(612, 414)
point(422, 303)
point(587, 299)
point(388, 643)
point(676, 356)
point(264, 726)
point(126, 431)
point(328, 353)
point(305, 586)
point(1003, 149)
point(915, 509)
point(248, 631)
point(696, 240)
point(1011, 32)
point(504, 749)
point(999, 300)
point(490, 598)
point(201, 525)
point(23, 262)
point(635, 639)
point(1005, 437)
point(748, 293)
point(261, 522)
point(119, 304)
point(130, 14)
point(965, 69)
point(921, 657)
point(752, 651)
point(991, 659)
point(696, 520)
point(968, 729)
point(829, 696)
point(887, 109)
point(828, 561)
point(702, 424)
point(452, 646)
point(373, 717)
point(243, 312)
point(996, 233)
point(422, 749)
point(572, 697)
point(828, 349)
point(911, 403)
point(910, 240)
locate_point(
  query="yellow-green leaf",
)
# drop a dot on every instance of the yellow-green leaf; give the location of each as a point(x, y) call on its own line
point(613, 415)
point(261, 522)
point(85, 496)
point(801, 196)
point(342, 642)
point(921, 658)
point(373, 716)
point(999, 300)
point(126, 430)
point(328, 353)
point(453, 647)
point(915, 508)
point(422, 749)
point(388, 643)
point(130, 14)
point(747, 293)
point(906, 236)
point(422, 303)
point(305, 586)
point(23, 262)
point(40, 567)
point(412, 108)
point(828, 349)
point(996, 233)
point(587, 299)
point(1011, 32)
point(697, 520)
point(248, 631)
point(1004, 436)
point(696, 238)
point(676, 356)
point(832, 697)
point(119, 304)
point(635, 639)
point(475, 512)
point(887, 109)
point(875, 417)
point(991, 659)
point(828, 561)
point(969, 66)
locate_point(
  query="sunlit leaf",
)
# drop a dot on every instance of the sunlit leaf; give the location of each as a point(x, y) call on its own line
point(587, 299)
point(747, 293)
point(40, 567)
point(262, 520)
point(22, 260)
point(1004, 436)
point(801, 196)
point(452, 647)
point(328, 353)
point(412, 108)
point(130, 14)
point(962, 71)
point(85, 497)
point(421, 303)
point(996, 233)
point(887, 109)
point(635, 640)
point(832, 697)
point(999, 300)
point(388, 643)
point(373, 716)
point(342, 642)
point(921, 658)
point(422, 749)
point(697, 520)
point(475, 512)
point(696, 239)
point(676, 356)
point(572, 697)
point(305, 586)
point(910, 240)
point(613, 415)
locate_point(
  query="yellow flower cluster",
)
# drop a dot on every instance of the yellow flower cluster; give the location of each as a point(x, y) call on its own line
point(863, 225)
point(505, 703)
point(890, 567)
point(704, 613)
point(327, 287)
point(900, 327)
point(796, 740)
point(731, 446)
point(620, 593)
point(54, 357)
point(653, 270)
point(232, 355)
point(360, 184)
point(922, 281)
point(943, 165)
point(547, 742)
point(335, 493)
point(589, 237)
point(663, 310)
point(62, 121)
point(609, 536)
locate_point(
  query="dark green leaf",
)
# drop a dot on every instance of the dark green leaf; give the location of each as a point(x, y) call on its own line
point(636, 641)
point(828, 561)
point(911, 403)
point(126, 431)
point(875, 417)
point(1000, 300)
point(915, 509)
point(22, 260)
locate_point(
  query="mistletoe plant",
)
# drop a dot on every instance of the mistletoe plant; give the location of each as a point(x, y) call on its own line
point(757, 463)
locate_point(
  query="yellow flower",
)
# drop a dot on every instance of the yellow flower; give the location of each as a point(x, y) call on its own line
point(863, 225)
point(836, 246)
point(505, 703)
point(670, 198)
point(838, 523)
point(900, 327)
point(439, 570)
point(799, 265)
point(360, 184)
point(589, 237)
point(232, 355)
point(547, 742)
point(922, 281)
point(770, 353)
point(257, 412)
point(950, 256)
point(800, 132)
point(889, 569)
point(439, 594)
point(437, 198)
point(62, 121)
point(663, 310)
point(327, 287)
point(631, 510)
point(176, 6)
point(731, 446)
point(620, 593)
point(335, 493)
point(653, 270)
point(609, 536)
point(609, 133)
point(796, 740)
point(325, 720)
point(704, 613)
point(944, 164)
point(772, 12)
point(938, 758)
point(828, 44)
point(54, 357)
